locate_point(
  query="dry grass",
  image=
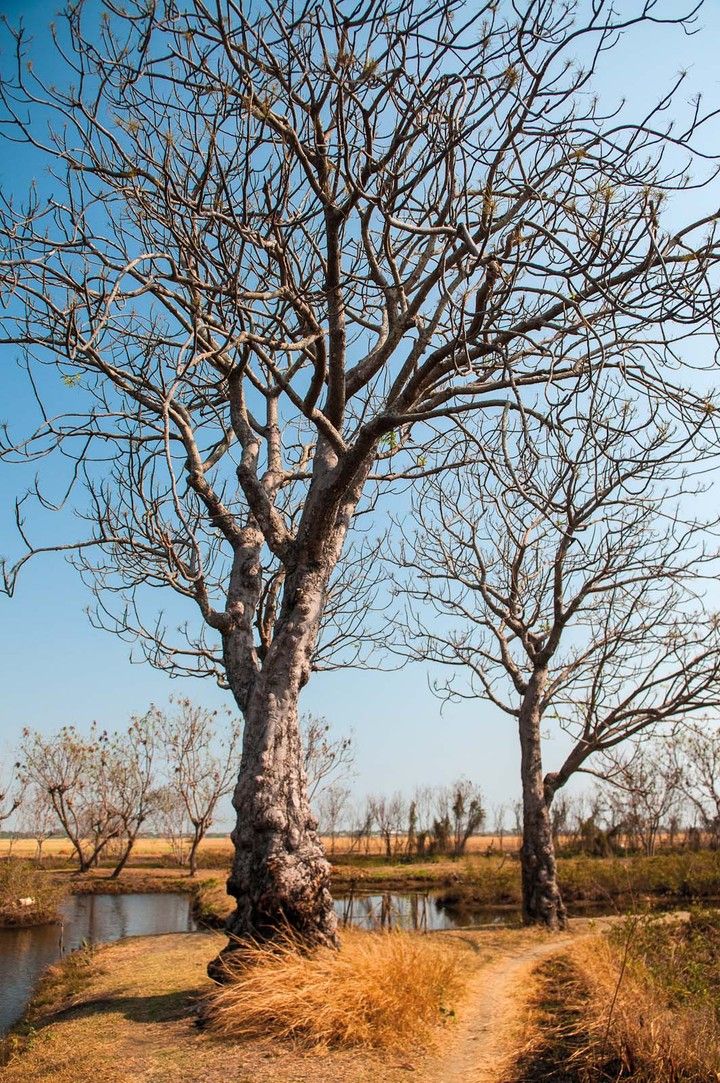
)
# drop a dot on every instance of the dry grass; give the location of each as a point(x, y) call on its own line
point(385, 990)
point(135, 1020)
point(596, 1015)
point(631, 1020)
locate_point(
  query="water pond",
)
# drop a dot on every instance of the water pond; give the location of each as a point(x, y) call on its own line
point(416, 910)
point(95, 919)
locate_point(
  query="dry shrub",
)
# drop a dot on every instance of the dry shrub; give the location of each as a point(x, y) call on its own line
point(380, 989)
point(630, 1022)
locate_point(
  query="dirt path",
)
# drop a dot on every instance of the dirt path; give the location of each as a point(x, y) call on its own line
point(489, 1034)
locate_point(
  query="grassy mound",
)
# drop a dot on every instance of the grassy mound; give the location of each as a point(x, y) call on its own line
point(380, 989)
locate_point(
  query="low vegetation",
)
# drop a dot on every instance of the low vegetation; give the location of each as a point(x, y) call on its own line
point(384, 990)
point(28, 896)
point(641, 1003)
point(614, 881)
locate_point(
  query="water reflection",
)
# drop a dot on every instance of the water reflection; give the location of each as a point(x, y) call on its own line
point(95, 919)
point(418, 911)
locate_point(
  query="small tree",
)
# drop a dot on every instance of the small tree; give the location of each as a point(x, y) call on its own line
point(389, 815)
point(38, 818)
point(73, 772)
point(328, 759)
point(468, 813)
point(11, 794)
point(332, 804)
point(200, 748)
point(647, 794)
point(131, 766)
point(696, 753)
point(561, 576)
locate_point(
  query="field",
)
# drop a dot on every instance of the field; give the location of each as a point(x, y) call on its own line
point(341, 846)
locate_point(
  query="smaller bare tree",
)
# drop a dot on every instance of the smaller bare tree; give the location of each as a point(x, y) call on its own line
point(697, 754)
point(10, 792)
point(328, 759)
point(169, 820)
point(73, 772)
point(201, 754)
point(559, 575)
point(389, 815)
point(647, 786)
point(332, 804)
point(131, 765)
point(38, 818)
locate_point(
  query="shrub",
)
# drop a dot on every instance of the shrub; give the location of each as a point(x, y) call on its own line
point(379, 989)
point(21, 880)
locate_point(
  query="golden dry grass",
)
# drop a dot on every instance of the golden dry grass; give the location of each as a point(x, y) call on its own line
point(629, 1019)
point(134, 1019)
point(161, 848)
point(387, 990)
point(592, 1017)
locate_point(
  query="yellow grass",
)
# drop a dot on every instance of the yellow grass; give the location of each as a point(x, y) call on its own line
point(628, 1018)
point(386, 990)
point(134, 1016)
point(159, 847)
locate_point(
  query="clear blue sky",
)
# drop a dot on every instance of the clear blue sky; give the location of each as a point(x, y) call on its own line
point(56, 669)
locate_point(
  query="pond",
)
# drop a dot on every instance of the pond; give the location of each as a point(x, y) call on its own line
point(96, 919)
point(415, 910)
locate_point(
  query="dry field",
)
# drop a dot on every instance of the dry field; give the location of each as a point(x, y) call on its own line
point(160, 848)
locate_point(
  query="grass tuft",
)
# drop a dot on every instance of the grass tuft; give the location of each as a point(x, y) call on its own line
point(385, 990)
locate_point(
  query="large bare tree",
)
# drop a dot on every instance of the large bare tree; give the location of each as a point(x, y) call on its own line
point(279, 247)
point(563, 575)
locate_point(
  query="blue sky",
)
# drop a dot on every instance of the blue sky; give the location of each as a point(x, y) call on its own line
point(56, 669)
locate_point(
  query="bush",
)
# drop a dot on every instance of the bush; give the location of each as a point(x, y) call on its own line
point(21, 880)
point(380, 989)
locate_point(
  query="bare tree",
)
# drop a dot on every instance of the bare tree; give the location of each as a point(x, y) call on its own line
point(648, 792)
point(389, 815)
point(333, 802)
point(696, 753)
point(280, 249)
point(11, 794)
point(132, 769)
point(560, 575)
point(200, 753)
point(328, 759)
point(37, 817)
point(169, 819)
point(72, 771)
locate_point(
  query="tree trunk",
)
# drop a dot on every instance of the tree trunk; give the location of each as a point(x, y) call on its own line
point(123, 859)
point(541, 900)
point(280, 876)
point(192, 856)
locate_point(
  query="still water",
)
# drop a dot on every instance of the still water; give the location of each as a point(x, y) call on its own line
point(97, 919)
point(416, 910)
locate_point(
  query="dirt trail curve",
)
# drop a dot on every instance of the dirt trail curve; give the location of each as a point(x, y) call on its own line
point(489, 1033)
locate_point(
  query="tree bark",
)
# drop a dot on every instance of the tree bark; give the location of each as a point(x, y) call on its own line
point(280, 876)
point(541, 899)
point(192, 856)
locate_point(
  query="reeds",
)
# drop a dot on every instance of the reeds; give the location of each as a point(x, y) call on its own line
point(380, 989)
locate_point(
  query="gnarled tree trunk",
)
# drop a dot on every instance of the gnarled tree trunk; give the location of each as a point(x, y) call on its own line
point(280, 876)
point(541, 899)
